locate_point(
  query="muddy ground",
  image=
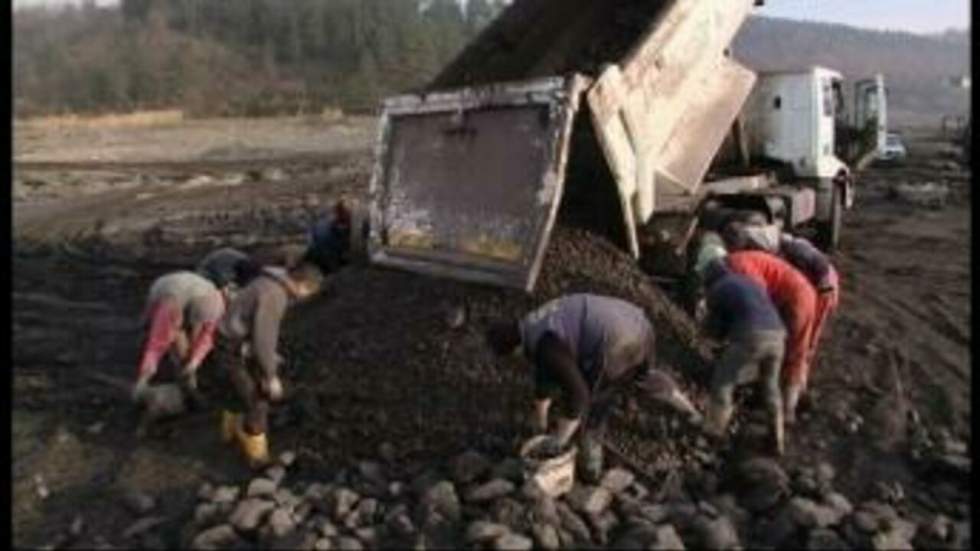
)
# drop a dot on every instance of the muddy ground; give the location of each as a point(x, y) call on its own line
point(374, 360)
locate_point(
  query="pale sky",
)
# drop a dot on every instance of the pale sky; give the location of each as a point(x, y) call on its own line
point(921, 16)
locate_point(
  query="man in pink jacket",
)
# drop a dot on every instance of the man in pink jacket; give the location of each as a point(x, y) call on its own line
point(182, 313)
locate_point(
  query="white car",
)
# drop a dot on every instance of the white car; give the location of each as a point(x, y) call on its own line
point(894, 150)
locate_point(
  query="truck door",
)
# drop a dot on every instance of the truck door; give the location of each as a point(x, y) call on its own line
point(870, 109)
point(829, 103)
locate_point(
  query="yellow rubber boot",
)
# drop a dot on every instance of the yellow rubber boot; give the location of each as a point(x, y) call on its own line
point(255, 447)
point(229, 420)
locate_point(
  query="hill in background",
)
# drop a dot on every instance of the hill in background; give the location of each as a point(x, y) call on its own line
point(268, 57)
point(916, 67)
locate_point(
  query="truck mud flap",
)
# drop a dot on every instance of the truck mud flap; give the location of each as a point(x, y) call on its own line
point(468, 182)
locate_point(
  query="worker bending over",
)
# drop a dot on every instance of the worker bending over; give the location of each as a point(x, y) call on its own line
point(336, 237)
point(181, 315)
point(797, 303)
point(246, 348)
point(740, 313)
point(591, 347)
point(751, 233)
point(227, 268)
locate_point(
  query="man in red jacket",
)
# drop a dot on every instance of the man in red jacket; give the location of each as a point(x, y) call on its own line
point(751, 233)
point(796, 300)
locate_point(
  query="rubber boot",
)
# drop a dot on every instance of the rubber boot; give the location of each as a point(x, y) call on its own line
point(717, 419)
point(791, 397)
point(255, 447)
point(779, 434)
point(229, 420)
point(591, 460)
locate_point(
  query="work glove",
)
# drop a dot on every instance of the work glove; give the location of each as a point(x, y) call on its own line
point(138, 393)
point(188, 385)
point(539, 423)
point(551, 446)
point(695, 419)
point(189, 377)
point(825, 285)
point(272, 388)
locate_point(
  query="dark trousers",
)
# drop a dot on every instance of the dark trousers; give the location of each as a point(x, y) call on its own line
point(606, 394)
point(245, 379)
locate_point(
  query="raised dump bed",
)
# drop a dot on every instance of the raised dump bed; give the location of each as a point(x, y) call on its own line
point(538, 38)
point(470, 174)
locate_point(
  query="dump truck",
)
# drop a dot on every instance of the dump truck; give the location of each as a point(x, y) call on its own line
point(628, 117)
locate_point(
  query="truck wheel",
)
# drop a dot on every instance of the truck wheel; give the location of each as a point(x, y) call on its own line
point(828, 231)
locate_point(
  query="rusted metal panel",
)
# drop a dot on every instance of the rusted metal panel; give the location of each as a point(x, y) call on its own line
point(713, 106)
point(467, 183)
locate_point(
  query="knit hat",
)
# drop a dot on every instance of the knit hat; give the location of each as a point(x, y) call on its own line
point(712, 247)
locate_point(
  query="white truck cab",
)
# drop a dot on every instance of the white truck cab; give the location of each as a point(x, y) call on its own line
point(790, 117)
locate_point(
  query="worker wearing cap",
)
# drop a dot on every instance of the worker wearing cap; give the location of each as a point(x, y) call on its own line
point(753, 234)
point(740, 313)
point(247, 351)
point(796, 300)
point(335, 237)
point(182, 313)
point(227, 268)
point(590, 347)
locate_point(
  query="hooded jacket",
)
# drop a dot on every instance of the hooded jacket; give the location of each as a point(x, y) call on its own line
point(256, 314)
point(805, 257)
point(737, 306)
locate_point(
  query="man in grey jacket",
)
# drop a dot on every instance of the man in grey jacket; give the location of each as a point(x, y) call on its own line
point(246, 348)
point(590, 348)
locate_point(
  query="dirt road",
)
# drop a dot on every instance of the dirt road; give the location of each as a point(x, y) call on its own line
point(891, 384)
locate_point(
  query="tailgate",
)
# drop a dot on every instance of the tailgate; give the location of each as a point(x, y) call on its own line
point(467, 183)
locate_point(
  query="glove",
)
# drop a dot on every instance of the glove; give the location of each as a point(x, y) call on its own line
point(138, 392)
point(540, 424)
point(272, 388)
point(189, 376)
point(695, 419)
point(550, 446)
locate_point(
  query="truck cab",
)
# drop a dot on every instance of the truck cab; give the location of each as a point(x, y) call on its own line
point(791, 118)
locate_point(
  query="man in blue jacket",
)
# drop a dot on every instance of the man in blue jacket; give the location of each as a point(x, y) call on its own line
point(741, 313)
point(336, 237)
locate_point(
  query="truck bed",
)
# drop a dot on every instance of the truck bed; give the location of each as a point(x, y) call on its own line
point(541, 38)
point(447, 195)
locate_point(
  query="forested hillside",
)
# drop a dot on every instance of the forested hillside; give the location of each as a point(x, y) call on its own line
point(258, 57)
point(241, 57)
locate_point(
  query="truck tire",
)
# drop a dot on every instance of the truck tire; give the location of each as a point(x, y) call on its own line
point(828, 231)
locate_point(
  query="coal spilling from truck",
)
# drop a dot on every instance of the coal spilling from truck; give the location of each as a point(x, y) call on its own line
point(393, 356)
point(522, 44)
